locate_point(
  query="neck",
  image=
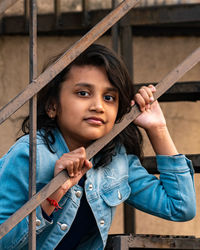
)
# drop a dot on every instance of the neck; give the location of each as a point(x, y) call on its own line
point(74, 144)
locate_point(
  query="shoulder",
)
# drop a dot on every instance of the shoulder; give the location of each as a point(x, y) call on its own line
point(19, 151)
point(130, 158)
point(22, 144)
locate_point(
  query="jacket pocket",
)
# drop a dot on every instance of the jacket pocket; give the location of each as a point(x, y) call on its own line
point(116, 194)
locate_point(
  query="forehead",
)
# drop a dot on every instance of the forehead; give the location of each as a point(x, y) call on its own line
point(83, 70)
point(88, 74)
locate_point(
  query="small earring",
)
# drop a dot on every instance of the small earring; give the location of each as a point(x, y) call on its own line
point(52, 117)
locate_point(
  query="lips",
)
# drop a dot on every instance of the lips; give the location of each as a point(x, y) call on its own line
point(95, 120)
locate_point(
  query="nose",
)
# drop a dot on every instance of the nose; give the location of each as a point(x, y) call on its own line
point(97, 104)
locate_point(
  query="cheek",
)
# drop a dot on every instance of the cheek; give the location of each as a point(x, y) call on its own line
point(116, 112)
point(113, 115)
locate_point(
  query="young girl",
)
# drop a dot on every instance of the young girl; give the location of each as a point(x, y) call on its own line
point(79, 106)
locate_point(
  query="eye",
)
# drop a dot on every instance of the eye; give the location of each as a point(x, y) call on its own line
point(109, 98)
point(83, 93)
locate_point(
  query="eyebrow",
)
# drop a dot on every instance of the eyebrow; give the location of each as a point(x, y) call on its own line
point(88, 85)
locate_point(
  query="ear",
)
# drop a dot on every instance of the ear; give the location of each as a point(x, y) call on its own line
point(51, 111)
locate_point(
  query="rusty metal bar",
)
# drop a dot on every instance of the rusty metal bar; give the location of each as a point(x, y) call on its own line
point(67, 58)
point(120, 243)
point(95, 147)
point(181, 91)
point(114, 31)
point(57, 12)
point(126, 45)
point(165, 20)
point(85, 8)
point(33, 120)
point(149, 163)
point(152, 241)
point(5, 4)
point(26, 14)
point(126, 39)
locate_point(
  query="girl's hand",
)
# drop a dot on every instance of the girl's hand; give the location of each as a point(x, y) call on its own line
point(151, 116)
point(75, 163)
point(153, 121)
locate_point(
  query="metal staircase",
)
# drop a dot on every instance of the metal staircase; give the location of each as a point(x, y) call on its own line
point(122, 23)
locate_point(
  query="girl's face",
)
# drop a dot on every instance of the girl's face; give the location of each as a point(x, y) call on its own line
point(88, 105)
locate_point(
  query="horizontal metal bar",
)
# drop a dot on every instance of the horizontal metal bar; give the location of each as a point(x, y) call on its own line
point(172, 14)
point(175, 20)
point(150, 163)
point(152, 241)
point(57, 181)
point(5, 4)
point(66, 58)
point(180, 91)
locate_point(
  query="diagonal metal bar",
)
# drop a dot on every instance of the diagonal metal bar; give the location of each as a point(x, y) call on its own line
point(5, 4)
point(67, 58)
point(95, 147)
point(161, 87)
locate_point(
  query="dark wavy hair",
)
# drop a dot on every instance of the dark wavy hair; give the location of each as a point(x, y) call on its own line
point(97, 55)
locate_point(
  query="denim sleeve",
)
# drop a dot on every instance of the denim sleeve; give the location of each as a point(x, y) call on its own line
point(171, 196)
point(14, 178)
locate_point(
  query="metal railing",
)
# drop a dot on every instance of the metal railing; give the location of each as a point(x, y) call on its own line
point(37, 83)
point(85, 5)
point(166, 2)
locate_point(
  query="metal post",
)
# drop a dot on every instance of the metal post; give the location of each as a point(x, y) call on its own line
point(85, 9)
point(57, 11)
point(33, 120)
point(126, 45)
point(120, 243)
point(26, 15)
point(114, 31)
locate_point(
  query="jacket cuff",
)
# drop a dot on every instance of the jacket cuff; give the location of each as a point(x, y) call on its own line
point(41, 221)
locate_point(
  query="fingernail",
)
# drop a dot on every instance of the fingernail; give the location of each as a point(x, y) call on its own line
point(151, 98)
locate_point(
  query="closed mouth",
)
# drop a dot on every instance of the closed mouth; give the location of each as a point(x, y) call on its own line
point(95, 120)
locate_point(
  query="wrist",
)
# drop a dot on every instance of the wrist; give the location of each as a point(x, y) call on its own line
point(47, 206)
point(161, 141)
point(157, 130)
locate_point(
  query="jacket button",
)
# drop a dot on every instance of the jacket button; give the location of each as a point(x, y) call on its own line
point(63, 227)
point(90, 186)
point(102, 222)
point(78, 194)
point(119, 195)
point(38, 222)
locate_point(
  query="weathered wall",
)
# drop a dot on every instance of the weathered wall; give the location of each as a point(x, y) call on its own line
point(153, 59)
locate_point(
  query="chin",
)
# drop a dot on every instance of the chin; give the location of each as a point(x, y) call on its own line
point(94, 136)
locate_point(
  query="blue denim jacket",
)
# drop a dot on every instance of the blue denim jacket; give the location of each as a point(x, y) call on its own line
point(171, 197)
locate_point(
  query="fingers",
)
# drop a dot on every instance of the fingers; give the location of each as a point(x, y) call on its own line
point(74, 180)
point(74, 162)
point(144, 97)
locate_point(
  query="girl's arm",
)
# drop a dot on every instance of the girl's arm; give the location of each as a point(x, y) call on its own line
point(153, 121)
point(14, 177)
point(171, 196)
